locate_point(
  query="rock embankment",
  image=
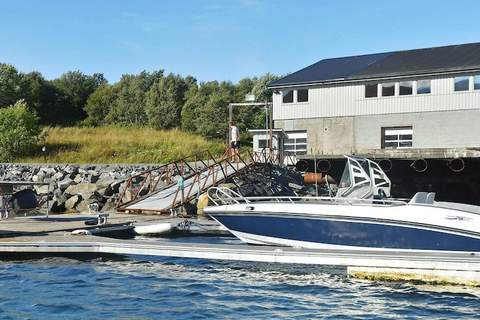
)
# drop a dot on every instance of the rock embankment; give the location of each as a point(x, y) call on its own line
point(73, 188)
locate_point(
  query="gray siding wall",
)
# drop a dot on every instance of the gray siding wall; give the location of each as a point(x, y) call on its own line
point(346, 135)
point(349, 100)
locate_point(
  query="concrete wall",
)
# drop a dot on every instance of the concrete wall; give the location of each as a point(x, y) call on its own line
point(346, 135)
point(324, 135)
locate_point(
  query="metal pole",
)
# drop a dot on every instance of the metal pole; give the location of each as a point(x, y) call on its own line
point(230, 118)
point(315, 170)
point(48, 194)
point(270, 122)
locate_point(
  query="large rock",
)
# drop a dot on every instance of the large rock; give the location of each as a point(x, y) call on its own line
point(72, 202)
point(110, 205)
point(92, 177)
point(57, 202)
point(39, 177)
point(104, 180)
point(78, 178)
point(84, 205)
point(58, 176)
point(56, 206)
point(64, 184)
point(81, 188)
point(42, 189)
point(49, 171)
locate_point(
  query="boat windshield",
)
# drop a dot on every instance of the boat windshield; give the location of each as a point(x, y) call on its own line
point(346, 180)
point(362, 178)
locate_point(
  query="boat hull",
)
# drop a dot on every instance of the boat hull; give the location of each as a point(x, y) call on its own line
point(328, 232)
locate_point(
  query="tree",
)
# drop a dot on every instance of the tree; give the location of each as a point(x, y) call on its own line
point(212, 119)
point(76, 87)
point(12, 85)
point(129, 106)
point(164, 102)
point(19, 131)
point(192, 108)
point(99, 105)
point(260, 90)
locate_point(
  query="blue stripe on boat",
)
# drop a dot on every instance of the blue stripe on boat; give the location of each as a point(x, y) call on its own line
point(348, 233)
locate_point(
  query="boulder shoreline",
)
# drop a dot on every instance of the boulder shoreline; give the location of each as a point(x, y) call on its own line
point(75, 187)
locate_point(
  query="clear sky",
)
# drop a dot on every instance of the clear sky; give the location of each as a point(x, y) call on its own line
point(219, 39)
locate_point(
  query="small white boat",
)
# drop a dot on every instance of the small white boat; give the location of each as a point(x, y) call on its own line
point(153, 229)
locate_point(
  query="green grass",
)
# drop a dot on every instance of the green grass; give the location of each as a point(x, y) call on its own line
point(119, 145)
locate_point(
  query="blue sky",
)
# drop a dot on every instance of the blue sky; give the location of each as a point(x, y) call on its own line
point(219, 39)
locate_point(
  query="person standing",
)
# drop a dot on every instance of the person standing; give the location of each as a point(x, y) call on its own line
point(234, 139)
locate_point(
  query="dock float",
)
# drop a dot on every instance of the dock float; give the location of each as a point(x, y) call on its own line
point(431, 267)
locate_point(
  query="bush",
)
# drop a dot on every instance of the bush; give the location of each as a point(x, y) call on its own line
point(19, 131)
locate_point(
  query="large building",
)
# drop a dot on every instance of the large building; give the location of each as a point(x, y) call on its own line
point(408, 104)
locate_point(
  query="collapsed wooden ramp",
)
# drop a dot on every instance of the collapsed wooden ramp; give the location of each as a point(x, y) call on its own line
point(169, 186)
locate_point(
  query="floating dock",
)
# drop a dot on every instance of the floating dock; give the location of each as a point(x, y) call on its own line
point(433, 267)
point(34, 236)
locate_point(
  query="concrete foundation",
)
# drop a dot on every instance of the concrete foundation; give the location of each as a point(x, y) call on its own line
point(447, 130)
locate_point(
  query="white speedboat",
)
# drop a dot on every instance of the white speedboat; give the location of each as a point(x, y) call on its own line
point(360, 216)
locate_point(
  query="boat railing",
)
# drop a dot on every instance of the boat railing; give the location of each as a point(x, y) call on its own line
point(223, 196)
point(226, 196)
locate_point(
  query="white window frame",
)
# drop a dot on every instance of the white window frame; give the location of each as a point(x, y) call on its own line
point(416, 85)
point(412, 87)
point(293, 95)
point(308, 95)
point(394, 89)
point(297, 146)
point(365, 90)
point(469, 86)
point(473, 81)
point(397, 131)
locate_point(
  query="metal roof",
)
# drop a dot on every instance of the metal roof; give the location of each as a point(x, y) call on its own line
point(389, 64)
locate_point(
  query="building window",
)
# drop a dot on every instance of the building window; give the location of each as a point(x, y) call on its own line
point(397, 137)
point(476, 82)
point(371, 90)
point(296, 143)
point(302, 95)
point(287, 96)
point(388, 89)
point(462, 83)
point(262, 143)
point(406, 88)
point(423, 86)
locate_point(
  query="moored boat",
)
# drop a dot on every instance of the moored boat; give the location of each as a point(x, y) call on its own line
point(361, 215)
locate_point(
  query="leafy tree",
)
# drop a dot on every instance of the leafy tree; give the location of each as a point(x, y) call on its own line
point(76, 88)
point(12, 85)
point(212, 119)
point(192, 108)
point(164, 102)
point(129, 106)
point(19, 131)
point(99, 105)
point(260, 90)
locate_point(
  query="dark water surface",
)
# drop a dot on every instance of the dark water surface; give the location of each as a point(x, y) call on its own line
point(171, 288)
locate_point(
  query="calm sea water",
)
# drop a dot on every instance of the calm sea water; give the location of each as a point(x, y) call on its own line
point(167, 288)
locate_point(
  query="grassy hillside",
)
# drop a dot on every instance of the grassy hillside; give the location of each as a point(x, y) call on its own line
point(118, 145)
